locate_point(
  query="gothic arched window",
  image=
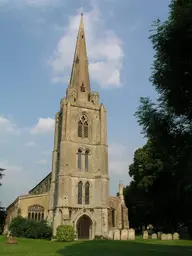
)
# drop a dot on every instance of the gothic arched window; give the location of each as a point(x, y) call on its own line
point(87, 193)
point(79, 159)
point(86, 160)
point(80, 190)
point(36, 212)
point(80, 129)
point(83, 127)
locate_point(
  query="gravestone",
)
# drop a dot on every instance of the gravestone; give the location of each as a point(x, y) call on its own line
point(131, 234)
point(124, 234)
point(110, 235)
point(159, 235)
point(154, 236)
point(12, 240)
point(175, 236)
point(169, 237)
point(163, 236)
point(117, 235)
point(145, 235)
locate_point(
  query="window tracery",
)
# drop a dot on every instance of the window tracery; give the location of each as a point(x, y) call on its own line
point(36, 212)
point(83, 130)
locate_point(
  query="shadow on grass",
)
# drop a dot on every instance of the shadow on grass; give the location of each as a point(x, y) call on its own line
point(120, 248)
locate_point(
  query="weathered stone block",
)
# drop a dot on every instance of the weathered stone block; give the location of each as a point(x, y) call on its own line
point(154, 236)
point(110, 235)
point(117, 235)
point(131, 234)
point(145, 235)
point(175, 236)
point(169, 237)
point(124, 234)
point(163, 236)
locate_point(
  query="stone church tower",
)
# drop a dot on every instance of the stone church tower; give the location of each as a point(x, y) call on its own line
point(76, 192)
point(80, 183)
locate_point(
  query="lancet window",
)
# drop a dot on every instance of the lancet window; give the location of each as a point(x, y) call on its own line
point(80, 190)
point(86, 160)
point(79, 159)
point(87, 192)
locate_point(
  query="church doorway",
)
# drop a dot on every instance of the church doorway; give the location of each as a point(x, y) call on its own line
point(84, 227)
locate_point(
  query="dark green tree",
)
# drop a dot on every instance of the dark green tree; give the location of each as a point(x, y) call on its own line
point(172, 68)
point(2, 210)
point(162, 168)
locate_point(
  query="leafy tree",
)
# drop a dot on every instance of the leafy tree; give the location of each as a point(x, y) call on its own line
point(172, 68)
point(162, 168)
point(1, 174)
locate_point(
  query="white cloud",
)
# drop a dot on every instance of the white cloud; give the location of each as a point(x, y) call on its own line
point(104, 48)
point(118, 159)
point(42, 161)
point(44, 125)
point(35, 3)
point(42, 2)
point(14, 181)
point(7, 126)
point(30, 144)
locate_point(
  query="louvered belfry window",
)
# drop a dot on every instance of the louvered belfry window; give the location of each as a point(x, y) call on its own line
point(83, 127)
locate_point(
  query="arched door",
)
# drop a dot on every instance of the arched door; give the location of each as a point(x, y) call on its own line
point(84, 227)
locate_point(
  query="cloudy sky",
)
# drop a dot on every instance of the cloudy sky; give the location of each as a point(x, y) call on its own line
point(36, 51)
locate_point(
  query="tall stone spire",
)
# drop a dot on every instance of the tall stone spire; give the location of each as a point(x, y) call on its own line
point(79, 81)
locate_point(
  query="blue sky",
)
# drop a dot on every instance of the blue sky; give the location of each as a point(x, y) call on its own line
point(36, 48)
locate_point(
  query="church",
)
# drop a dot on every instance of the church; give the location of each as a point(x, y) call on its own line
point(76, 192)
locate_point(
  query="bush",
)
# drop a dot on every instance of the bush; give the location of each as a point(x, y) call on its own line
point(21, 227)
point(65, 233)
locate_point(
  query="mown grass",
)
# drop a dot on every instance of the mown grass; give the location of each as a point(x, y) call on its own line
point(30, 247)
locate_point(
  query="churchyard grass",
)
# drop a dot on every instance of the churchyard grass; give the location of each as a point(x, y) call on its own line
point(30, 247)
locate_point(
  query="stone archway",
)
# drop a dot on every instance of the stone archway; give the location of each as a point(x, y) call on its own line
point(84, 227)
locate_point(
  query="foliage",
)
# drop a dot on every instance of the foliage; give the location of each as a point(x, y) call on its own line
point(2, 219)
point(21, 227)
point(172, 68)
point(65, 233)
point(1, 174)
point(161, 189)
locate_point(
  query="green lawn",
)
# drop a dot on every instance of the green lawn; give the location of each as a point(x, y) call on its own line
point(28, 247)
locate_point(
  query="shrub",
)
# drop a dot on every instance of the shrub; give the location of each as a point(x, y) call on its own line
point(21, 227)
point(65, 233)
